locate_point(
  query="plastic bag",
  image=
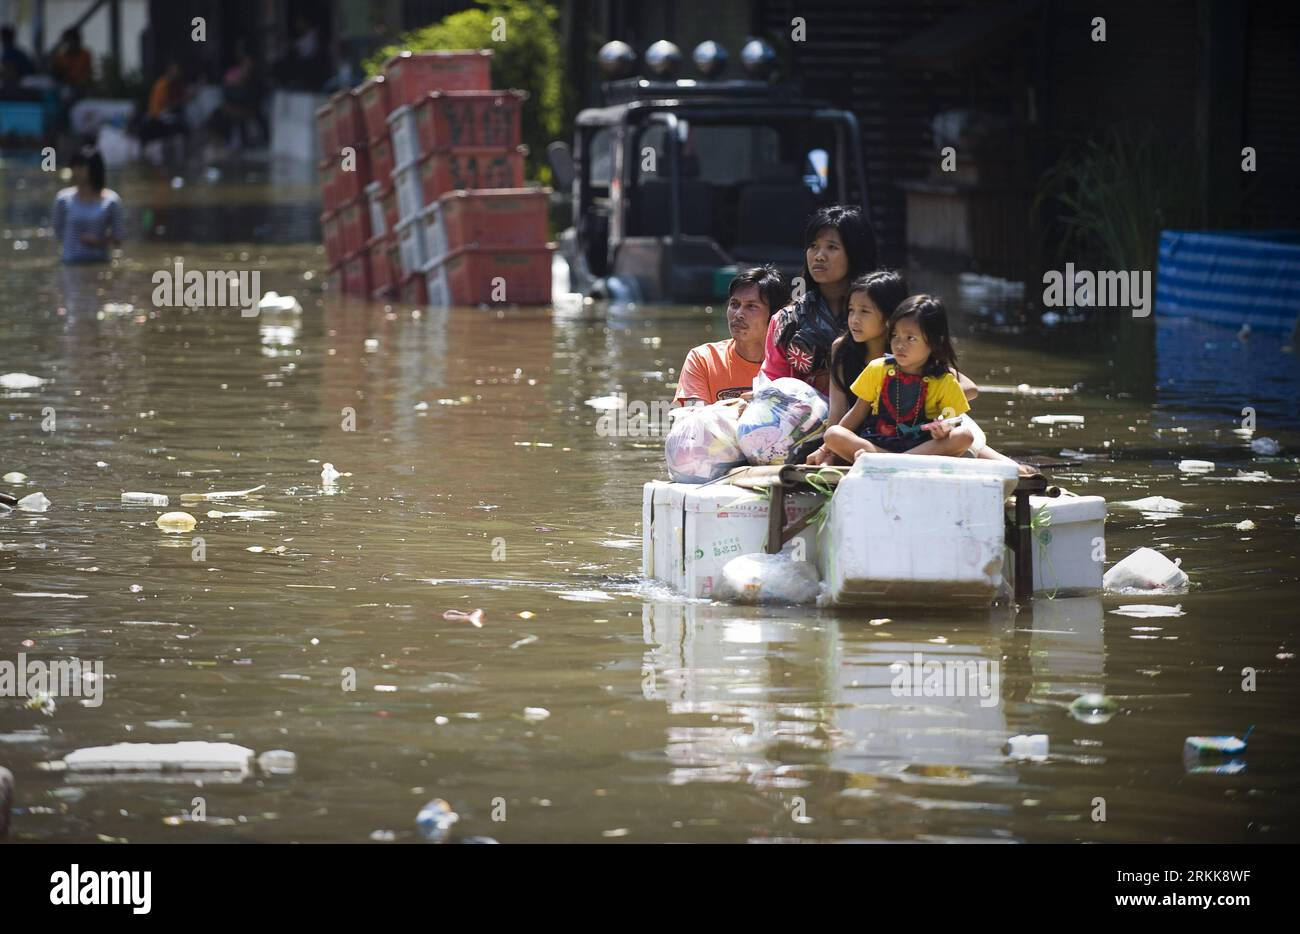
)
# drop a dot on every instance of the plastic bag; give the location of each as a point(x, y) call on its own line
point(702, 446)
point(768, 579)
point(1145, 570)
point(784, 413)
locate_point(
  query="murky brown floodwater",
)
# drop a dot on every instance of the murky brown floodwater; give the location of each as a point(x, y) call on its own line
point(669, 720)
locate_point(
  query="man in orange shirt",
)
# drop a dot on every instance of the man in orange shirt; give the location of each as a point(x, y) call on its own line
point(726, 369)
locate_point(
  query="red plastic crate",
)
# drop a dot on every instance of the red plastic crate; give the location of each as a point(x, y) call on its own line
point(349, 183)
point(356, 274)
point(384, 273)
point(381, 159)
point(373, 95)
point(354, 224)
point(486, 276)
point(469, 118)
point(411, 75)
point(446, 170)
point(412, 289)
point(348, 129)
point(332, 236)
point(328, 170)
point(325, 135)
point(491, 217)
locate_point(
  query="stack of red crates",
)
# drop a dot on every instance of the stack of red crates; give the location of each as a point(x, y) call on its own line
point(345, 172)
point(446, 203)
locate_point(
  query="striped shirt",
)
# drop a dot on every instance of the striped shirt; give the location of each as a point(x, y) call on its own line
point(74, 217)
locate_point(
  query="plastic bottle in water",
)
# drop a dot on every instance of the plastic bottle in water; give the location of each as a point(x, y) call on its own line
point(144, 499)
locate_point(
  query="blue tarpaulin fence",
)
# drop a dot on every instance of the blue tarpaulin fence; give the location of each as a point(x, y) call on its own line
point(1230, 278)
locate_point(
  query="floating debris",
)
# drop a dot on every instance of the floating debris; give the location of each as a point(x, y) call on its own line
point(1033, 746)
point(473, 616)
point(329, 475)
point(1218, 745)
point(241, 514)
point(144, 499)
point(275, 302)
point(176, 522)
point(277, 762)
point(1148, 610)
point(536, 714)
point(192, 756)
point(219, 494)
point(1093, 709)
point(1145, 570)
point(18, 381)
point(1265, 446)
point(14, 477)
point(526, 640)
point(34, 502)
point(435, 819)
point(1056, 420)
point(1154, 504)
point(1195, 466)
point(1245, 525)
point(43, 703)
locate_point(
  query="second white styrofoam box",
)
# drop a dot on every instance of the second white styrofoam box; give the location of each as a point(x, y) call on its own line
point(915, 528)
point(410, 245)
point(1070, 548)
point(410, 190)
point(722, 522)
point(405, 137)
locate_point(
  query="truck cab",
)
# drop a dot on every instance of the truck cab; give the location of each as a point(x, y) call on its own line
point(677, 183)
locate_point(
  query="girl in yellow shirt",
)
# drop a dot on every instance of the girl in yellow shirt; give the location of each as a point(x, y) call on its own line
point(908, 401)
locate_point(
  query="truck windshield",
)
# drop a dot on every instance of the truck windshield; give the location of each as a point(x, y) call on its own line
point(748, 186)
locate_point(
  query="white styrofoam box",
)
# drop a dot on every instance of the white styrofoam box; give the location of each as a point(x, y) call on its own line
point(917, 528)
point(723, 521)
point(647, 525)
point(437, 288)
point(410, 245)
point(410, 191)
point(667, 532)
point(405, 137)
point(1063, 549)
point(376, 210)
point(435, 231)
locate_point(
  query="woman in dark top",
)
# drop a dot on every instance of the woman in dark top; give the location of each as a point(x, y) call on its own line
point(839, 246)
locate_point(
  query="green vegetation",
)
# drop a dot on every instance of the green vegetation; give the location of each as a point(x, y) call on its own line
point(1113, 196)
point(529, 58)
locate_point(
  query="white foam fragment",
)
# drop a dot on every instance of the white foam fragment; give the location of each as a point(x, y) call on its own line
point(1154, 504)
point(1056, 420)
point(192, 756)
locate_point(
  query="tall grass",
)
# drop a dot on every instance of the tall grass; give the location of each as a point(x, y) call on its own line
point(1111, 197)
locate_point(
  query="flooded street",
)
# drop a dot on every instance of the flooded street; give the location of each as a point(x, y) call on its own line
point(590, 705)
